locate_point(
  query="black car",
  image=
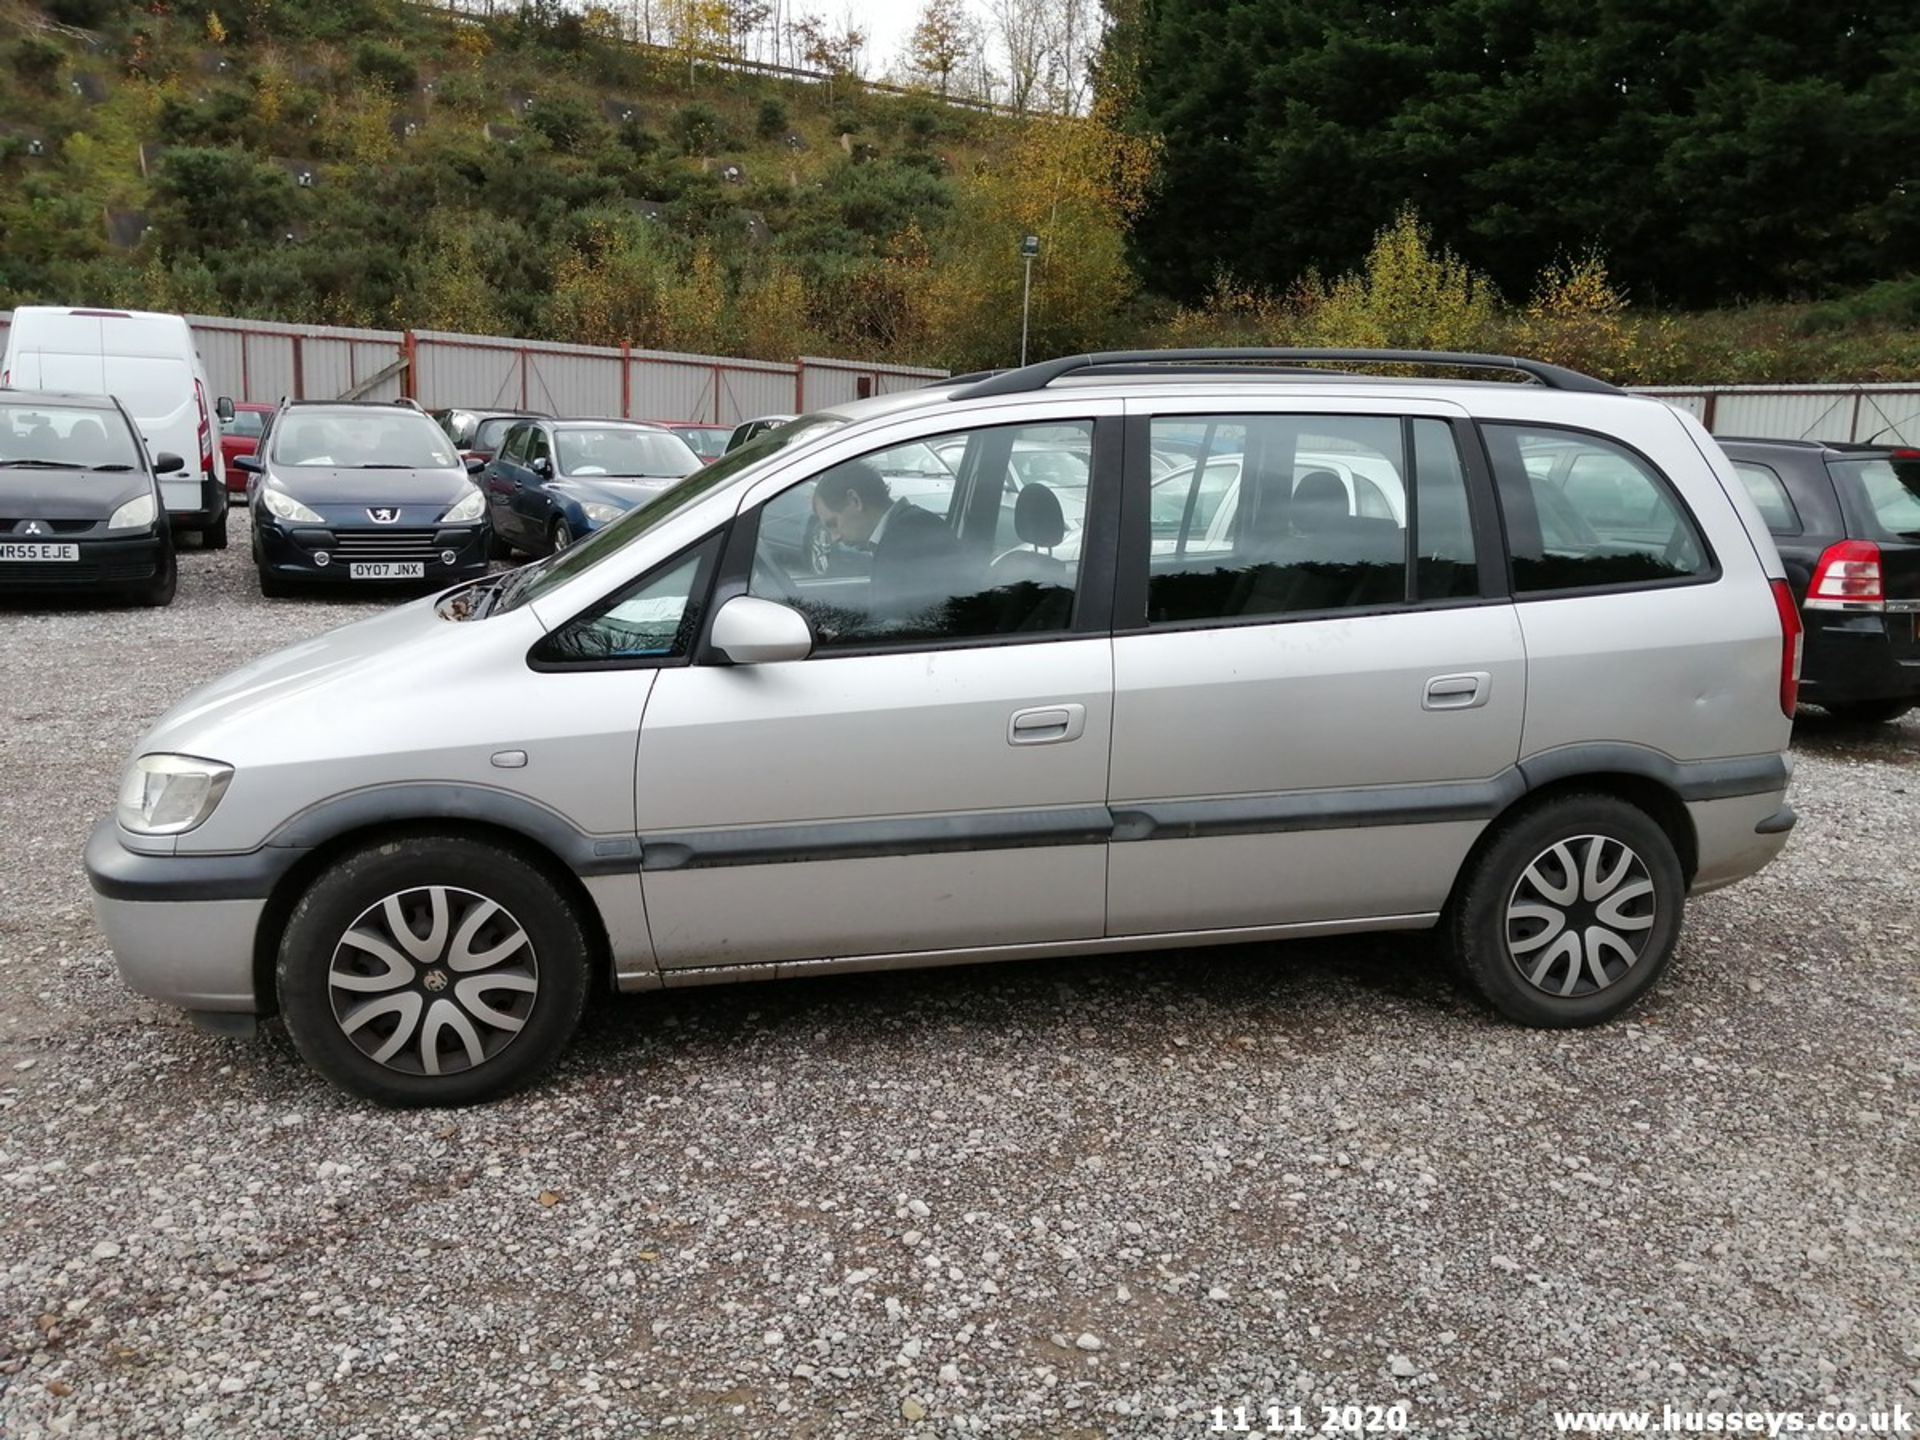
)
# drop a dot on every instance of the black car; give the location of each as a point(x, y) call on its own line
point(1846, 519)
point(80, 503)
point(362, 494)
point(557, 481)
point(480, 433)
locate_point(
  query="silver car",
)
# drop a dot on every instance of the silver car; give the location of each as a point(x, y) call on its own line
point(677, 754)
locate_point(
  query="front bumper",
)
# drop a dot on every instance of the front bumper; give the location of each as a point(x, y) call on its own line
point(182, 927)
point(103, 565)
point(1854, 656)
point(293, 551)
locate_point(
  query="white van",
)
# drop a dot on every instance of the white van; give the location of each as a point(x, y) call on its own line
point(148, 363)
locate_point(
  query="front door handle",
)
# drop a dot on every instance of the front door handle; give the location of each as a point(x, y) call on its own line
point(1458, 692)
point(1047, 725)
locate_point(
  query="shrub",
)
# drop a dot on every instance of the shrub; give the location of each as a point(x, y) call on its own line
point(771, 121)
point(566, 122)
point(37, 61)
point(697, 129)
point(87, 14)
point(385, 66)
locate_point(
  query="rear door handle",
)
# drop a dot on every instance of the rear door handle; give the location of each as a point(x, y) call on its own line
point(1467, 691)
point(1047, 725)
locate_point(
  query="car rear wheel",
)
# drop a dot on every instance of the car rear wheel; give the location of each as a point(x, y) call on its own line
point(1570, 913)
point(434, 970)
point(214, 537)
point(1868, 712)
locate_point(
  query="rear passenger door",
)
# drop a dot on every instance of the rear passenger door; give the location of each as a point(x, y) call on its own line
point(1316, 704)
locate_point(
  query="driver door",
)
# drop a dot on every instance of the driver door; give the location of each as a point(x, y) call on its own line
point(909, 789)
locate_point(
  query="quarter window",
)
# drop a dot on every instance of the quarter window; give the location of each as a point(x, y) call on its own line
point(1770, 497)
point(964, 536)
point(1266, 515)
point(655, 618)
point(1583, 512)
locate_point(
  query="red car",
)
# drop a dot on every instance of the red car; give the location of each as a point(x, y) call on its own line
point(241, 436)
point(706, 440)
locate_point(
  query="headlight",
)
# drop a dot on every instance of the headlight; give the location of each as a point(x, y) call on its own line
point(136, 514)
point(286, 507)
point(170, 794)
point(468, 510)
point(603, 514)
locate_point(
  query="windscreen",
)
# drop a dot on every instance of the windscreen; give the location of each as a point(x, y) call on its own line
point(617, 451)
point(370, 439)
point(58, 436)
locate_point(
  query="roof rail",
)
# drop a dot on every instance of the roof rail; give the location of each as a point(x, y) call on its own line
point(1038, 377)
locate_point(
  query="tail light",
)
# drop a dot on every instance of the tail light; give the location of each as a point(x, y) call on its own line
point(1792, 643)
point(1848, 578)
point(206, 429)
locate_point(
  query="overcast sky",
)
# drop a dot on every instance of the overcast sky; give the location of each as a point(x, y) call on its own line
point(888, 23)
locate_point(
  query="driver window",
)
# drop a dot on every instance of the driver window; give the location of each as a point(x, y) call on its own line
point(964, 536)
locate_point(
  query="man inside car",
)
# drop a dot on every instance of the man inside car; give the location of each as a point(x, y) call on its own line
point(916, 557)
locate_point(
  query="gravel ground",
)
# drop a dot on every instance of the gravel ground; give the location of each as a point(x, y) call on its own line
point(1077, 1198)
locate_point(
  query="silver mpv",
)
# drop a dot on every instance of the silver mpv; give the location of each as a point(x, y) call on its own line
point(1326, 653)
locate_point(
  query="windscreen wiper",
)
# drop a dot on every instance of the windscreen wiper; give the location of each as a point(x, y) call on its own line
point(45, 464)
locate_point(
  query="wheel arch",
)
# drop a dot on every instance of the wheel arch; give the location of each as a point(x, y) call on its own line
point(313, 862)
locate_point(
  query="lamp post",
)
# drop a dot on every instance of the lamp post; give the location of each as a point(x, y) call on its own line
point(1029, 247)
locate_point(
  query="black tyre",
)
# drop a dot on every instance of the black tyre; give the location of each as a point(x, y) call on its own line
point(160, 590)
point(214, 537)
point(497, 547)
point(432, 971)
point(273, 587)
point(1868, 712)
point(560, 537)
point(1570, 913)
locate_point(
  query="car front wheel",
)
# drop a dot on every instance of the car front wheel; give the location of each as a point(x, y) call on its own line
point(436, 970)
point(1571, 912)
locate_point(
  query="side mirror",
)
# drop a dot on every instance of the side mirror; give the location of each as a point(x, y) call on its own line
point(223, 407)
point(166, 463)
point(542, 467)
point(474, 464)
point(750, 631)
point(249, 463)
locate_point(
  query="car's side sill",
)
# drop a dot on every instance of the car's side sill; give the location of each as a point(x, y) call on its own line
point(650, 979)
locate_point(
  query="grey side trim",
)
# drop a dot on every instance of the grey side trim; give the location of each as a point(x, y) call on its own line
point(1689, 779)
point(118, 873)
point(1319, 809)
point(1041, 950)
point(1778, 823)
point(580, 852)
point(864, 839)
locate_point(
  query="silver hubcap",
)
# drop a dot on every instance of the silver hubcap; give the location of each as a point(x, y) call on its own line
point(562, 536)
point(1581, 915)
point(433, 981)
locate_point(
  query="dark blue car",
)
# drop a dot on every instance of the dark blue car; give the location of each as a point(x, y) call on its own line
point(555, 481)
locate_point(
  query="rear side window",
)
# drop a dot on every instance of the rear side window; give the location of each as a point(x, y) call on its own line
point(1888, 491)
point(1770, 497)
point(1582, 512)
point(1271, 515)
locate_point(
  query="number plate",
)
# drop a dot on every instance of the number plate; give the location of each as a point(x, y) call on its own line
point(387, 570)
point(20, 550)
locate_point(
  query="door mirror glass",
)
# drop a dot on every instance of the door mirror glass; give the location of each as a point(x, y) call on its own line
point(750, 631)
point(223, 407)
point(166, 463)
